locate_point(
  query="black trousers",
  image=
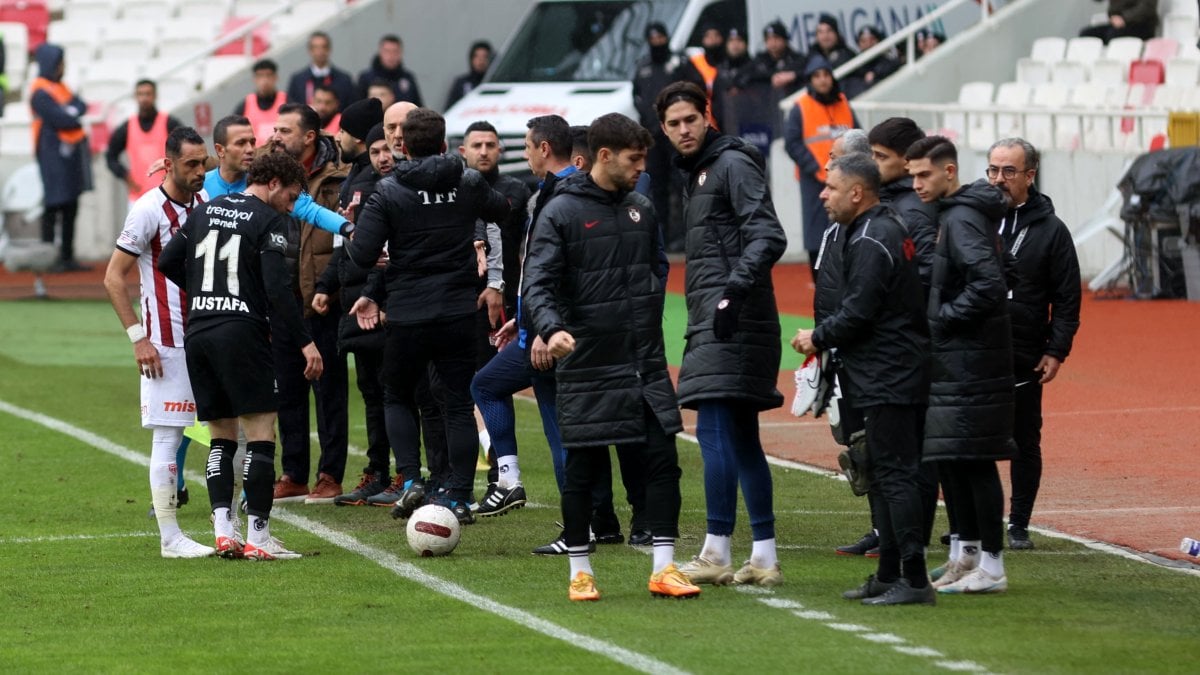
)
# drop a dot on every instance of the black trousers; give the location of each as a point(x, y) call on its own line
point(449, 347)
point(893, 444)
point(927, 486)
point(368, 370)
point(431, 404)
point(975, 501)
point(331, 392)
point(64, 215)
point(660, 467)
point(1026, 469)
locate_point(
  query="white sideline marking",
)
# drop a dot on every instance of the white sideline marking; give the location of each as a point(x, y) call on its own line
point(882, 638)
point(918, 651)
point(849, 627)
point(960, 666)
point(1057, 413)
point(625, 657)
point(1129, 509)
point(781, 603)
point(814, 615)
point(75, 537)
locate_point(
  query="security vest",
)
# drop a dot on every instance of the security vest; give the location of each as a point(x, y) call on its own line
point(62, 95)
point(263, 121)
point(334, 124)
point(143, 148)
point(709, 74)
point(822, 125)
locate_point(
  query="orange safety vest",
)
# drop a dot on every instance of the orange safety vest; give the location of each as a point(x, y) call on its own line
point(263, 121)
point(143, 148)
point(334, 124)
point(62, 95)
point(709, 73)
point(822, 125)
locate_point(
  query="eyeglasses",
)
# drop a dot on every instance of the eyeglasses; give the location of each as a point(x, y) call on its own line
point(1009, 172)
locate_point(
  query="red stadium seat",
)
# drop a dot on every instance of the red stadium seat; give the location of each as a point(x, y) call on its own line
point(1147, 72)
point(33, 13)
point(260, 40)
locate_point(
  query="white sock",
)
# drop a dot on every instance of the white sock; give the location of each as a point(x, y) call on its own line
point(258, 532)
point(970, 553)
point(510, 471)
point(993, 563)
point(717, 549)
point(664, 553)
point(580, 562)
point(239, 461)
point(955, 548)
point(164, 475)
point(485, 441)
point(222, 526)
point(762, 554)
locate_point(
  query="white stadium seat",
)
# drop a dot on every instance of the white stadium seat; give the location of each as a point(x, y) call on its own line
point(1039, 127)
point(1032, 72)
point(128, 40)
point(1048, 49)
point(1183, 72)
point(16, 137)
point(1108, 71)
point(1084, 49)
point(78, 40)
point(1068, 73)
point(95, 12)
point(1180, 27)
point(16, 53)
point(975, 95)
point(219, 68)
point(1012, 97)
point(1125, 49)
point(147, 10)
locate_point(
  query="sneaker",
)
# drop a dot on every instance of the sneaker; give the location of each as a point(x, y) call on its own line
point(939, 571)
point(230, 547)
point(389, 495)
point(978, 581)
point(671, 583)
point(272, 550)
point(701, 570)
point(641, 538)
point(325, 491)
point(869, 541)
point(872, 588)
point(559, 547)
point(183, 547)
point(369, 485)
point(873, 553)
point(460, 509)
point(1018, 539)
point(750, 575)
point(583, 588)
point(902, 593)
point(954, 571)
point(610, 538)
point(288, 490)
point(412, 497)
point(499, 501)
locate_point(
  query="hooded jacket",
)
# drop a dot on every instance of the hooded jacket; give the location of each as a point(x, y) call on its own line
point(593, 271)
point(919, 218)
point(404, 83)
point(970, 415)
point(1044, 302)
point(426, 213)
point(325, 178)
point(733, 240)
point(60, 145)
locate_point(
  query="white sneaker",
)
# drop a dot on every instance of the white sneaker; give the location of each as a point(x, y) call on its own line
point(954, 571)
point(183, 547)
point(236, 523)
point(272, 550)
point(978, 581)
point(701, 570)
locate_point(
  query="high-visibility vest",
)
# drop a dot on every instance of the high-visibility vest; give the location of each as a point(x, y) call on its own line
point(709, 73)
point(334, 124)
point(62, 95)
point(822, 125)
point(263, 121)
point(143, 148)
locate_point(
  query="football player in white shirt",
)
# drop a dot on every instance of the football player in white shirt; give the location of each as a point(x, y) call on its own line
point(166, 393)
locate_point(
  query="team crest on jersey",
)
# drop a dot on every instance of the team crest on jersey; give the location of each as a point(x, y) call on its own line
point(702, 177)
point(635, 215)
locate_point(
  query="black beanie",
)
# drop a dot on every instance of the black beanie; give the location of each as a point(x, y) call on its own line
point(829, 20)
point(360, 116)
point(375, 134)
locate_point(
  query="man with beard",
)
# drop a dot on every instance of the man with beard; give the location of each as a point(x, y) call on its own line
point(297, 133)
point(325, 102)
point(829, 44)
point(479, 57)
point(141, 138)
point(595, 295)
point(655, 71)
point(703, 70)
point(388, 64)
point(820, 115)
point(393, 126)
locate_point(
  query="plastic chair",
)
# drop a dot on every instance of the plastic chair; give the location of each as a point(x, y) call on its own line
point(1160, 49)
point(33, 13)
point(127, 40)
point(1182, 72)
point(1048, 49)
point(1108, 71)
point(1125, 49)
point(1014, 97)
point(1148, 72)
point(1084, 49)
point(1068, 73)
point(1180, 27)
point(1032, 72)
point(94, 12)
point(16, 52)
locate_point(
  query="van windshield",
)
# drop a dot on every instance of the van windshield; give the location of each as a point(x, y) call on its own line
point(583, 41)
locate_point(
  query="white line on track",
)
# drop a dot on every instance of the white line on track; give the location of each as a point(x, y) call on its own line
point(625, 657)
point(74, 537)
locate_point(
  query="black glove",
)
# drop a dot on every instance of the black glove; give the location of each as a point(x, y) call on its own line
point(725, 319)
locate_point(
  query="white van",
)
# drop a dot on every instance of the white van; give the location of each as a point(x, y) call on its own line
point(576, 58)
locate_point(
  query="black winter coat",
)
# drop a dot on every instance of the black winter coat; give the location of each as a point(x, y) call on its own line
point(970, 415)
point(426, 212)
point(733, 241)
point(1044, 302)
point(512, 229)
point(878, 327)
point(920, 218)
point(592, 270)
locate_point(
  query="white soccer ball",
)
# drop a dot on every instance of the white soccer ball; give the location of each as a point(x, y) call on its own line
point(433, 530)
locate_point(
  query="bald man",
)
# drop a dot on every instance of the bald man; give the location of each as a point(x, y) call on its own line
point(393, 126)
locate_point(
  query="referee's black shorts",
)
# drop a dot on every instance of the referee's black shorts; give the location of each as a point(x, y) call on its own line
point(232, 371)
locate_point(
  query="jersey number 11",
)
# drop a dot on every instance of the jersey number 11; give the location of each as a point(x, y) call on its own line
point(227, 253)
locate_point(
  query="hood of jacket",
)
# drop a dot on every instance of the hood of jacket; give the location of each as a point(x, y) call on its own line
point(436, 172)
point(327, 151)
point(48, 58)
point(818, 62)
point(888, 192)
point(1037, 207)
point(581, 184)
point(715, 143)
point(981, 196)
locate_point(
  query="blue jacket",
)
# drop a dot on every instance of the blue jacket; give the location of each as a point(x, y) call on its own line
point(306, 209)
point(66, 168)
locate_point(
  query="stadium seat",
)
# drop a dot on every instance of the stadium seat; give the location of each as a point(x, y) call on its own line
point(1039, 126)
point(1127, 49)
point(180, 39)
point(175, 90)
point(1180, 27)
point(260, 38)
point(147, 10)
point(127, 40)
point(33, 13)
point(1160, 49)
point(217, 69)
point(1140, 95)
point(103, 85)
point(78, 40)
point(1014, 97)
point(1107, 71)
point(1095, 132)
point(1032, 72)
point(1048, 49)
point(16, 53)
point(1183, 72)
point(971, 95)
point(95, 12)
point(1168, 98)
point(16, 137)
point(1149, 72)
point(255, 8)
point(1084, 49)
point(317, 10)
point(287, 26)
point(1068, 73)
point(204, 15)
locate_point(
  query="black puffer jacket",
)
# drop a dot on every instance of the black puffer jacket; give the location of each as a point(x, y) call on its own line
point(1044, 304)
point(878, 326)
point(970, 412)
point(512, 229)
point(593, 271)
point(733, 240)
point(920, 218)
point(426, 213)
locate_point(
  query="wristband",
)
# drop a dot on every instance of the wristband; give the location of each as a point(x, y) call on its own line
point(136, 333)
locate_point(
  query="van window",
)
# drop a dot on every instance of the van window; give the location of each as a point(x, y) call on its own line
point(724, 15)
point(583, 41)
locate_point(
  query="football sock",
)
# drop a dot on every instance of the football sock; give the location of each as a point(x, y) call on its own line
point(664, 552)
point(955, 548)
point(510, 471)
point(888, 570)
point(717, 549)
point(222, 526)
point(218, 472)
point(259, 531)
point(578, 557)
point(239, 458)
point(258, 477)
point(163, 476)
point(993, 563)
point(915, 572)
point(969, 554)
point(181, 459)
point(762, 554)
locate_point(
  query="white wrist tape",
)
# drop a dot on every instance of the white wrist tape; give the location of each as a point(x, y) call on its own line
point(136, 333)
